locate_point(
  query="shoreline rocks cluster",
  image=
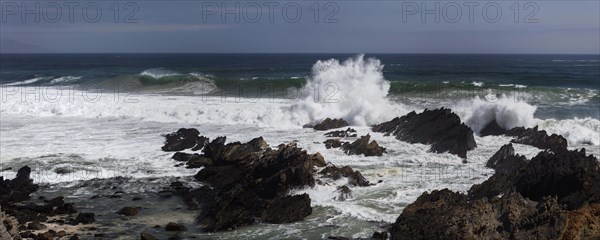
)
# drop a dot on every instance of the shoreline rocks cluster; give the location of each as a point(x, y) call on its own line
point(21, 220)
point(554, 195)
point(246, 182)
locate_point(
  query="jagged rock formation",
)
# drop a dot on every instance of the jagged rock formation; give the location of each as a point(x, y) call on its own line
point(440, 128)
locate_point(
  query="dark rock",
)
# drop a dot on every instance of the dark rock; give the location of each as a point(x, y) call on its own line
point(539, 139)
point(344, 192)
point(184, 138)
point(17, 189)
point(329, 123)
point(36, 226)
point(570, 175)
point(147, 236)
point(379, 236)
point(355, 178)
point(192, 160)
point(129, 211)
point(362, 146)
point(492, 129)
point(175, 227)
point(350, 132)
point(201, 143)
point(198, 162)
point(287, 209)
point(508, 166)
point(248, 181)
point(553, 196)
point(85, 218)
point(333, 143)
point(317, 160)
point(441, 128)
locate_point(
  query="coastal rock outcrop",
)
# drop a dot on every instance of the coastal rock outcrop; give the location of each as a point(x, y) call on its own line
point(355, 178)
point(184, 138)
point(17, 189)
point(553, 196)
point(329, 123)
point(364, 147)
point(360, 146)
point(537, 138)
point(246, 182)
point(440, 128)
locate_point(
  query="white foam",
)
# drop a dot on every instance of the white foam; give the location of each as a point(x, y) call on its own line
point(507, 111)
point(477, 84)
point(354, 90)
point(576, 131)
point(66, 79)
point(157, 73)
point(29, 81)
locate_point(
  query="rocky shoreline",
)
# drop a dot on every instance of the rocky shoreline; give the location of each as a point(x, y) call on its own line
point(554, 195)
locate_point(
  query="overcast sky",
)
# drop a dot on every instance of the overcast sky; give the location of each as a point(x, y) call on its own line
point(328, 27)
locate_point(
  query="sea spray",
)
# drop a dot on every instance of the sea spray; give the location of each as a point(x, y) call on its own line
point(354, 90)
point(507, 112)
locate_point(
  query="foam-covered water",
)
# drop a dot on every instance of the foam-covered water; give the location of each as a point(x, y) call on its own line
point(68, 135)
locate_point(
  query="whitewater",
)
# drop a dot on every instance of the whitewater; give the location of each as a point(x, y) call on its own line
point(104, 134)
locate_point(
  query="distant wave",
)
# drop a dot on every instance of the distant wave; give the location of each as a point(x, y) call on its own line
point(66, 79)
point(158, 73)
point(576, 60)
point(27, 82)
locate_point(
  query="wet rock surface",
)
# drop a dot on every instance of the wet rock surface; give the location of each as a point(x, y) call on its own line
point(17, 189)
point(440, 128)
point(364, 147)
point(355, 178)
point(329, 123)
point(552, 196)
point(537, 138)
point(184, 138)
point(361, 146)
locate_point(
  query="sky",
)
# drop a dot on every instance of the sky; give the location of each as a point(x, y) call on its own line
point(304, 26)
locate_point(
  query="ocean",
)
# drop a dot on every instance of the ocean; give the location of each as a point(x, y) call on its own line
point(82, 120)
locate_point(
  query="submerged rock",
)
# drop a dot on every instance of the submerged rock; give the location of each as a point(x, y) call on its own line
point(363, 146)
point(329, 123)
point(175, 227)
point(129, 211)
point(85, 218)
point(440, 128)
point(147, 236)
point(539, 139)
